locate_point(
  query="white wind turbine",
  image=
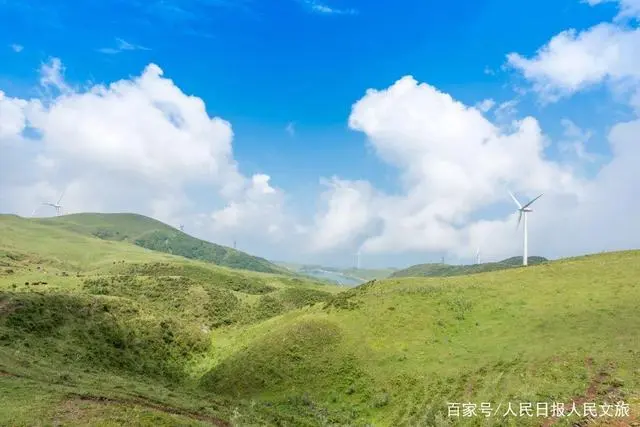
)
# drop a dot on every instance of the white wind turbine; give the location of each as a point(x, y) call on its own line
point(358, 260)
point(523, 211)
point(57, 206)
point(478, 256)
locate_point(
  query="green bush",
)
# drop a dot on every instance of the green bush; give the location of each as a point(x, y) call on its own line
point(98, 332)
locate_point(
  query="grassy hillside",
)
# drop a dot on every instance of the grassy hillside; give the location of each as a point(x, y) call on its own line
point(444, 270)
point(155, 235)
point(100, 329)
point(158, 340)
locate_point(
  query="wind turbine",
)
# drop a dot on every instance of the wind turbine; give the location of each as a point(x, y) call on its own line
point(478, 256)
point(358, 260)
point(57, 206)
point(523, 211)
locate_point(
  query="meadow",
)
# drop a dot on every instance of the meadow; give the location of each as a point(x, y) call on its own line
point(106, 332)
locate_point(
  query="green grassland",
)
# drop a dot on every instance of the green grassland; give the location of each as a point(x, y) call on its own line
point(445, 270)
point(155, 235)
point(103, 332)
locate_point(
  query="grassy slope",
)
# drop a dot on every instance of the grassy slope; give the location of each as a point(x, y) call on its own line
point(395, 351)
point(155, 235)
point(392, 352)
point(445, 270)
point(100, 330)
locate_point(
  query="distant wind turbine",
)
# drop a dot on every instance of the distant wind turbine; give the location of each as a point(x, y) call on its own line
point(523, 211)
point(57, 206)
point(358, 260)
point(478, 256)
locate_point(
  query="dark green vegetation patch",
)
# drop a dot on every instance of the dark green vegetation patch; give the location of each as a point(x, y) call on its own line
point(97, 332)
point(155, 235)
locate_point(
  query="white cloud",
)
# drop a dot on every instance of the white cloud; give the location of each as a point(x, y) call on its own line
point(573, 147)
point(290, 129)
point(628, 8)
point(506, 111)
point(52, 75)
point(12, 116)
point(349, 212)
point(486, 105)
point(17, 48)
point(136, 145)
point(322, 8)
point(122, 45)
point(257, 215)
point(453, 162)
point(573, 61)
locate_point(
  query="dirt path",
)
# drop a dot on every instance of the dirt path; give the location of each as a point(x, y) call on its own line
point(595, 386)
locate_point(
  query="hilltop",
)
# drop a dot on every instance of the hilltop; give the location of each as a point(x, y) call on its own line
point(444, 270)
point(98, 331)
point(155, 235)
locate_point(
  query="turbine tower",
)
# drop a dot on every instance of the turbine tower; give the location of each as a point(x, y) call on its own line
point(57, 206)
point(478, 256)
point(523, 211)
point(358, 260)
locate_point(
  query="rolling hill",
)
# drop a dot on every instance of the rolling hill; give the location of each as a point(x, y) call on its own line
point(103, 332)
point(444, 270)
point(155, 235)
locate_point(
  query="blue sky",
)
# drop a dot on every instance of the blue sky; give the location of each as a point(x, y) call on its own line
point(263, 65)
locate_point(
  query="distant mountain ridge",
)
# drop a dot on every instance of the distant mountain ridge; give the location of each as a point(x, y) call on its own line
point(350, 275)
point(443, 270)
point(155, 235)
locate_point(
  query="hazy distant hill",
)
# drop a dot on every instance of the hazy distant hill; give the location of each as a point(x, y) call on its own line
point(340, 275)
point(158, 236)
point(440, 270)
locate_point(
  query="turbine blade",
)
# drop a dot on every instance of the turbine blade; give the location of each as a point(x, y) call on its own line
point(531, 202)
point(61, 196)
point(515, 200)
point(519, 219)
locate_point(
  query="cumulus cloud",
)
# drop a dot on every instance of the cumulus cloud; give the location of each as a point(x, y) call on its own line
point(348, 213)
point(138, 144)
point(17, 48)
point(455, 167)
point(12, 117)
point(258, 209)
point(452, 162)
point(573, 61)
